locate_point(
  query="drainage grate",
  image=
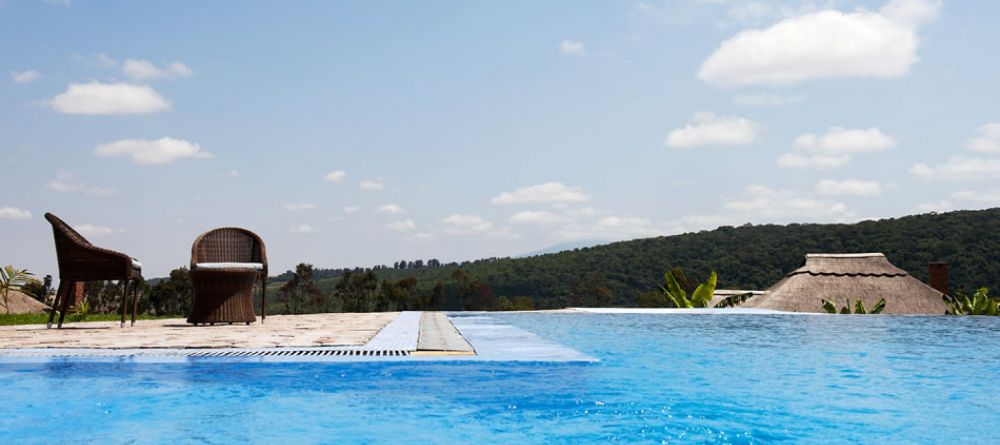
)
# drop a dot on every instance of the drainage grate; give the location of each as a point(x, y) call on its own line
point(204, 353)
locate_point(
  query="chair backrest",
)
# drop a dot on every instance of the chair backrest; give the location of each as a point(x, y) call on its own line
point(228, 244)
point(69, 243)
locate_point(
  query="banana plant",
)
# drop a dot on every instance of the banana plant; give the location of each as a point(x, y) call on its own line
point(701, 296)
point(979, 304)
point(12, 279)
point(859, 307)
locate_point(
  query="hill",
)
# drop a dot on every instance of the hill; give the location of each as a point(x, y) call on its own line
point(745, 257)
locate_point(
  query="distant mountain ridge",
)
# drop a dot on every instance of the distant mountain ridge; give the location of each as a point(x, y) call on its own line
point(746, 257)
point(563, 247)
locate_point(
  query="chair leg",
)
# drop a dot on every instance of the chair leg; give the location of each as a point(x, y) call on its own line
point(55, 303)
point(124, 301)
point(70, 287)
point(135, 300)
point(263, 299)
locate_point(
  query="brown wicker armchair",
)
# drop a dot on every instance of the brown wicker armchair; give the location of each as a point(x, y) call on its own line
point(81, 261)
point(225, 264)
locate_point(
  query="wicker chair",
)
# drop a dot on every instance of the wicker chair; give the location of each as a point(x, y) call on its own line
point(81, 261)
point(225, 264)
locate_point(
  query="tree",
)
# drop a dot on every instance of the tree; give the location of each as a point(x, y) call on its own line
point(172, 296)
point(301, 291)
point(979, 304)
point(859, 307)
point(700, 298)
point(461, 287)
point(591, 290)
point(523, 304)
point(12, 279)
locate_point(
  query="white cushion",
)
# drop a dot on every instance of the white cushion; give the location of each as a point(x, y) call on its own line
point(257, 266)
point(136, 264)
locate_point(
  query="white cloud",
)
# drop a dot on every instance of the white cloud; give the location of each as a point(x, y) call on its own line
point(709, 129)
point(26, 76)
point(844, 141)
point(835, 148)
point(573, 47)
point(585, 212)
point(335, 176)
point(390, 209)
point(767, 99)
point(369, 184)
point(65, 183)
point(539, 217)
point(406, 225)
point(99, 60)
point(980, 196)
point(152, 152)
point(14, 213)
point(424, 236)
point(546, 193)
point(960, 168)
point(109, 98)
point(913, 12)
point(610, 228)
point(798, 160)
point(304, 229)
point(825, 44)
point(352, 209)
point(90, 230)
point(852, 187)
point(939, 206)
point(762, 202)
point(988, 140)
point(466, 224)
point(300, 206)
point(145, 70)
point(231, 174)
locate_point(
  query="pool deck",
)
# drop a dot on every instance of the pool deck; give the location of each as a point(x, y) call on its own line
point(389, 336)
point(278, 331)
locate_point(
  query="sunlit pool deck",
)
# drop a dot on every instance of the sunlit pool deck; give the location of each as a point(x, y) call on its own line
point(389, 336)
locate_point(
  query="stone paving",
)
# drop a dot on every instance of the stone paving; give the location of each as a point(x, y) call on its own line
point(287, 331)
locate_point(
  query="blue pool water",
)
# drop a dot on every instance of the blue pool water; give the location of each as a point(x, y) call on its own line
point(661, 378)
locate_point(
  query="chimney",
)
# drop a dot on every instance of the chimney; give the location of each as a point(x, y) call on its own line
point(938, 273)
point(78, 295)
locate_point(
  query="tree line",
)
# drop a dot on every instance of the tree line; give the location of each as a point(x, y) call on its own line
point(627, 273)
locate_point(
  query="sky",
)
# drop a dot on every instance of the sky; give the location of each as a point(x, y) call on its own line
point(362, 133)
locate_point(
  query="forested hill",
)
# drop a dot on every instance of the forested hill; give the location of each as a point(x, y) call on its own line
point(746, 257)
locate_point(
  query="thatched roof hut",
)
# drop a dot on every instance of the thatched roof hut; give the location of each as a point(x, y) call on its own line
point(844, 278)
point(22, 304)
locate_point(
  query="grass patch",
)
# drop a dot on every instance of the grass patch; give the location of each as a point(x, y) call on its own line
point(18, 319)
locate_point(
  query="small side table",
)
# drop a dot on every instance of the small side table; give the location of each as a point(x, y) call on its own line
point(222, 296)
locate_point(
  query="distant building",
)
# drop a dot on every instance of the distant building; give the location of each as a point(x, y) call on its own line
point(844, 278)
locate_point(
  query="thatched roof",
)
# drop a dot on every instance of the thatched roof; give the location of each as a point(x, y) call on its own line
point(22, 304)
point(844, 278)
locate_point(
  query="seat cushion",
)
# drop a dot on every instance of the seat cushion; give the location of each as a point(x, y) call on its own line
point(257, 266)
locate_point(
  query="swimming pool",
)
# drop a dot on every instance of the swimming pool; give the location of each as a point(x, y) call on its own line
point(660, 378)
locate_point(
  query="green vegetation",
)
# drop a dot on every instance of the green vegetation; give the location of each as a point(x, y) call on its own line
point(617, 274)
point(676, 295)
point(859, 307)
point(12, 279)
point(19, 319)
point(746, 257)
point(979, 304)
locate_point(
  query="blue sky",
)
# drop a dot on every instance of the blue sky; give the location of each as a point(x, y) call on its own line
point(362, 133)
